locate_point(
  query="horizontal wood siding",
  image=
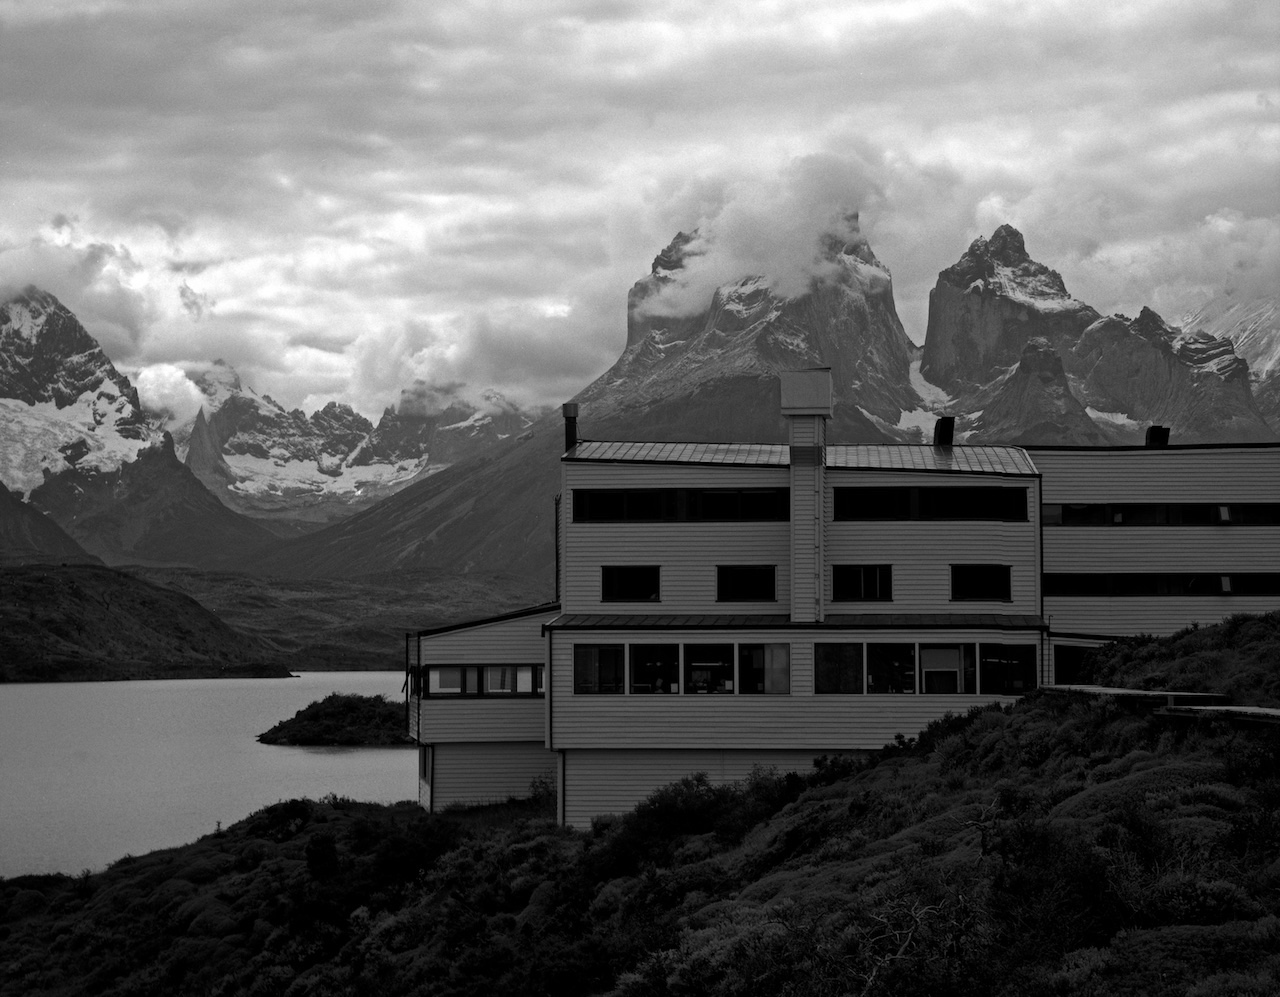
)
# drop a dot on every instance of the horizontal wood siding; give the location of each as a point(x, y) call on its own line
point(687, 554)
point(1125, 615)
point(509, 642)
point(613, 782)
point(1211, 549)
point(485, 718)
point(800, 720)
point(1244, 475)
point(486, 773)
point(922, 554)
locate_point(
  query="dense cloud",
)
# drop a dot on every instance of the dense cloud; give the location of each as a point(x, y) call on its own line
point(341, 199)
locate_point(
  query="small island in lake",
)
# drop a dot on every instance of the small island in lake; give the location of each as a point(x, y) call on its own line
point(343, 720)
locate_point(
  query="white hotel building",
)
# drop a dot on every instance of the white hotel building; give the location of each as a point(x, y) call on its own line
point(723, 606)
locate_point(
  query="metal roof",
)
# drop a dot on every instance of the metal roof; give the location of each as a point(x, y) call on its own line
point(920, 457)
point(780, 621)
point(866, 456)
point(759, 454)
point(546, 609)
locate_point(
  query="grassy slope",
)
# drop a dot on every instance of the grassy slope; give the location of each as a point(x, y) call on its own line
point(340, 719)
point(1064, 846)
point(339, 624)
point(87, 622)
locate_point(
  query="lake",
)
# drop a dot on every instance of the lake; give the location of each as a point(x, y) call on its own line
point(92, 771)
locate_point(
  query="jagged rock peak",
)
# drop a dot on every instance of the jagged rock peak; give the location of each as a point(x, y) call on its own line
point(672, 257)
point(1002, 264)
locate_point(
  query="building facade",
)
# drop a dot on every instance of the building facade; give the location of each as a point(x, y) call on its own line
point(727, 606)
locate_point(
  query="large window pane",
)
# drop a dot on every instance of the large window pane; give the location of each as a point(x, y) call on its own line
point(861, 583)
point(655, 668)
point(948, 668)
point(598, 668)
point(765, 668)
point(891, 668)
point(708, 668)
point(745, 583)
point(981, 582)
point(837, 668)
point(1007, 669)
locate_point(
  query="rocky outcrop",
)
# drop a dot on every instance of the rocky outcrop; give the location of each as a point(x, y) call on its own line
point(1253, 327)
point(1037, 385)
point(1123, 374)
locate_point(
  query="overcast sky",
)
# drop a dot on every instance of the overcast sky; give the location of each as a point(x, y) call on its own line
point(341, 197)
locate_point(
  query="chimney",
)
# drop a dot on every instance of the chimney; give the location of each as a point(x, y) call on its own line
point(944, 430)
point(1157, 437)
point(570, 411)
point(806, 403)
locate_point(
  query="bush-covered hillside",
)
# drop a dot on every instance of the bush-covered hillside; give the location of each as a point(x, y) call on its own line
point(1065, 845)
point(343, 719)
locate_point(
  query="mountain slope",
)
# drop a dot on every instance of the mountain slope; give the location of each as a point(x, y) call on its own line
point(27, 536)
point(1253, 327)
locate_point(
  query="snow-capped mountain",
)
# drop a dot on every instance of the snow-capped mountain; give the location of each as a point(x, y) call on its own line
point(63, 404)
point(279, 464)
point(997, 309)
point(1253, 327)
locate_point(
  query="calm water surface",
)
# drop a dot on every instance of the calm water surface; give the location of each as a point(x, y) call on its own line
point(91, 771)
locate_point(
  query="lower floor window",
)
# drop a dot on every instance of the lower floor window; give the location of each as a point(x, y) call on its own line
point(708, 668)
point(948, 668)
point(485, 680)
point(1069, 664)
point(891, 668)
point(1007, 669)
point(765, 668)
point(655, 668)
point(598, 668)
point(837, 668)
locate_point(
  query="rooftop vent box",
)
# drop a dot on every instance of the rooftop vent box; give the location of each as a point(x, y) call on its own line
point(1157, 436)
point(944, 431)
point(806, 392)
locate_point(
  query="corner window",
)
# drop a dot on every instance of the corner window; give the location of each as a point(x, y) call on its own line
point(453, 681)
point(655, 668)
point(708, 668)
point(512, 680)
point(981, 582)
point(837, 669)
point(1007, 669)
point(765, 668)
point(861, 583)
point(630, 583)
point(948, 668)
point(891, 668)
point(598, 668)
point(746, 583)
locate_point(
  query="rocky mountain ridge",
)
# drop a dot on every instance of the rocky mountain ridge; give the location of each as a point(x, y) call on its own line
point(279, 464)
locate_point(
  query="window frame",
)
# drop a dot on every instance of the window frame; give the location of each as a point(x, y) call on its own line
point(608, 591)
point(883, 582)
point(723, 569)
point(973, 568)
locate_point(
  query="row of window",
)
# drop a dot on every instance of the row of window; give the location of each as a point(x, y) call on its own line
point(845, 668)
point(483, 680)
point(758, 583)
point(762, 505)
point(1162, 514)
point(1156, 583)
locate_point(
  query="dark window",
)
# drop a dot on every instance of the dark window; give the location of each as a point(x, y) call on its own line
point(512, 680)
point(942, 502)
point(1069, 666)
point(1170, 583)
point(837, 668)
point(655, 668)
point(485, 680)
point(1259, 583)
point(891, 668)
point(708, 668)
point(861, 583)
point(598, 668)
point(1007, 669)
point(765, 668)
point(948, 668)
point(745, 583)
point(982, 582)
point(1162, 514)
point(630, 583)
point(671, 505)
point(872, 503)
